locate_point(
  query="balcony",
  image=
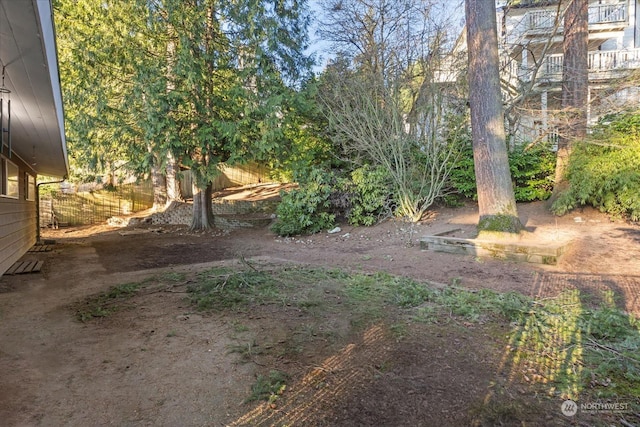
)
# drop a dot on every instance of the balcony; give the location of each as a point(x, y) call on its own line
point(602, 64)
point(600, 16)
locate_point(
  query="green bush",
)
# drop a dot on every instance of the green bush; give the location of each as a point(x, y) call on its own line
point(306, 210)
point(321, 196)
point(532, 171)
point(462, 178)
point(369, 192)
point(604, 171)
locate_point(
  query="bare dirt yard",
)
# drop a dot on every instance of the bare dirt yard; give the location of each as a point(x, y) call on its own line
point(356, 328)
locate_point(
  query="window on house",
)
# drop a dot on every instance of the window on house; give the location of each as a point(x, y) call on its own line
point(30, 187)
point(10, 174)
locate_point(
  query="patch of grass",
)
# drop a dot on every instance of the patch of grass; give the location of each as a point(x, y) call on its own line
point(239, 327)
point(594, 351)
point(407, 293)
point(268, 387)
point(309, 304)
point(399, 330)
point(105, 303)
point(573, 343)
point(384, 288)
point(470, 305)
point(234, 290)
point(426, 314)
point(367, 296)
point(172, 277)
point(246, 351)
point(123, 291)
point(370, 294)
point(498, 413)
point(224, 288)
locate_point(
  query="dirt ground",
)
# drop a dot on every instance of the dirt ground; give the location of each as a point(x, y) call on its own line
point(161, 363)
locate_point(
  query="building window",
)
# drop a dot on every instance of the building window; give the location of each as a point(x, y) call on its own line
point(30, 187)
point(9, 179)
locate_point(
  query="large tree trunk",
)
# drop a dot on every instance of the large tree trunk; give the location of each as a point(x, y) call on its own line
point(173, 183)
point(575, 84)
point(159, 187)
point(202, 210)
point(496, 201)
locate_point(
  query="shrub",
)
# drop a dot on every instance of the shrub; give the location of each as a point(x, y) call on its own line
point(369, 190)
point(306, 209)
point(462, 179)
point(532, 171)
point(604, 171)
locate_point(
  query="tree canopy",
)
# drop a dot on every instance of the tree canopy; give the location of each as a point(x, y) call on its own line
point(201, 81)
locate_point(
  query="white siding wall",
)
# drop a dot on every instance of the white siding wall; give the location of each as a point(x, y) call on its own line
point(629, 38)
point(17, 223)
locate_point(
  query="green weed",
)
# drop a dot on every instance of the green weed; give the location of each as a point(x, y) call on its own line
point(105, 303)
point(234, 290)
point(246, 351)
point(172, 277)
point(268, 387)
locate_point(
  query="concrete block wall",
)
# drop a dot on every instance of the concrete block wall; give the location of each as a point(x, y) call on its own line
point(181, 213)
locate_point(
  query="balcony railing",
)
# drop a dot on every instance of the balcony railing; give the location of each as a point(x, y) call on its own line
point(599, 61)
point(608, 13)
point(598, 14)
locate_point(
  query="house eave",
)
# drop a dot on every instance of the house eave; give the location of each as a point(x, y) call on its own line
point(29, 56)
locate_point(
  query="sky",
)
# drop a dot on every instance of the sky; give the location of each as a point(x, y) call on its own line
point(322, 49)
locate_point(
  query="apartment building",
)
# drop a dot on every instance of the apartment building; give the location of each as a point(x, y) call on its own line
point(530, 39)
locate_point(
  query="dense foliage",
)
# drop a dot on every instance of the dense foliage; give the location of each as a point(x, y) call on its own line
point(369, 190)
point(604, 170)
point(362, 197)
point(532, 171)
point(198, 81)
point(306, 209)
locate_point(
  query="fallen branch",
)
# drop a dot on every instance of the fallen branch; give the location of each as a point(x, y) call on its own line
point(612, 350)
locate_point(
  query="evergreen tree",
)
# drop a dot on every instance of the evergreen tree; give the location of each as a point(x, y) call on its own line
point(198, 81)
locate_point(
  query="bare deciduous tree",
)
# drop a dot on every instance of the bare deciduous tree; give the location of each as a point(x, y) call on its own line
point(371, 124)
point(383, 97)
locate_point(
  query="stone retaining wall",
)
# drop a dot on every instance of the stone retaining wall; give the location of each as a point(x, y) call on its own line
point(181, 213)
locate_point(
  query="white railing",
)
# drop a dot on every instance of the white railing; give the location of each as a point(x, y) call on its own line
point(605, 60)
point(540, 19)
point(614, 60)
point(598, 14)
point(607, 13)
point(552, 64)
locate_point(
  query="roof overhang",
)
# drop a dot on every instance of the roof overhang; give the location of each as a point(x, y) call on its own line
point(28, 54)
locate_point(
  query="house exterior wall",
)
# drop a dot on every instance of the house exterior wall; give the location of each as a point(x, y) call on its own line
point(18, 219)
